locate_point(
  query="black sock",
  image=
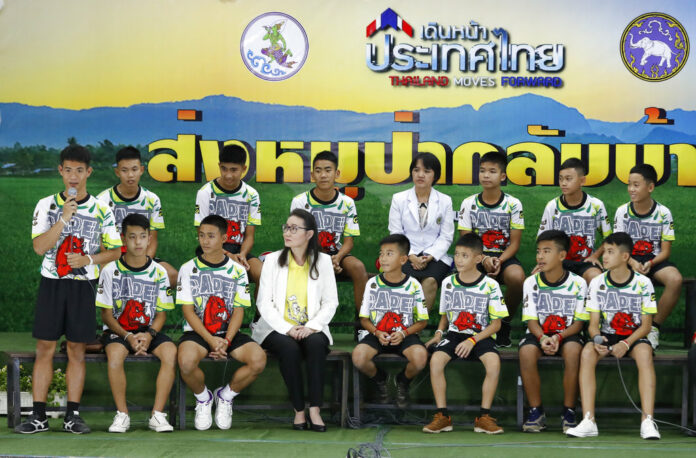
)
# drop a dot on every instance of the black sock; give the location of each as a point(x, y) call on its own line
point(72, 407)
point(484, 412)
point(380, 376)
point(401, 378)
point(444, 411)
point(540, 408)
point(565, 409)
point(657, 325)
point(39, 410)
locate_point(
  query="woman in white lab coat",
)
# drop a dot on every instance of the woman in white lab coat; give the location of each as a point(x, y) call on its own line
point(425, 216)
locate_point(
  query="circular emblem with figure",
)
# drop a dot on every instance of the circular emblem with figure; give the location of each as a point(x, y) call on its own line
point(654, 47)
point(274, 46)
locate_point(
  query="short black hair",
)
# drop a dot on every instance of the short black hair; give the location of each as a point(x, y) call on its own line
point(647, 171)
point(325, 156)
point(234, 154)
point(495, 157)
point(621, 240)
point(217, 221)
point(77, 153)
point(574, 163)
point(430, 162)
point(471, 241)
point(400, 240)
point(129, 152)
point(560, 238)
point(135, 219)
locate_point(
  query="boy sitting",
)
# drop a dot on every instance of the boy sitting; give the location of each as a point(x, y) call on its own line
point(472, 307)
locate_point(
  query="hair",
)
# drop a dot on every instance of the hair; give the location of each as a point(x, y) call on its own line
point(471, 241)
point(398, 239)
point(135, 219)
point(325, 156)
point(560, 238)
point(647, 171)
point(233, 153)
point(574, 163)
point(495, 157)
point(430, 162)
point(313, 250)
point(77, 153)
point(217, 221)
point(129, 152)
point(621, 240)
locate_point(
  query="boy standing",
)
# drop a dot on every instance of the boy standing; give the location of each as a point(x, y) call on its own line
point(129, 197)
point(580, 216)
point(554, 310)
point(497, 218)
point(623, 302)
point(238, 203)
point(392, 315)
point(336, 216)
point(75, 233)
point(213, 291)
point(133, 297)
point(472, 307)
point(651, 228)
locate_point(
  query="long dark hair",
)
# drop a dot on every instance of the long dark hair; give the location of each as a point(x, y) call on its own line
point(313, 250)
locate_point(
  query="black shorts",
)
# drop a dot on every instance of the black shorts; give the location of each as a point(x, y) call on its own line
point(65, 307)
point(578, 267)
point(435, 269)
point(529, 339)
point(343, 276)
point(233, 248)
point(373, 341)
point(513, 261)
point(238, 340)
point(109, 337)
point(655, 267)
point(614, 339)
point(450, 341)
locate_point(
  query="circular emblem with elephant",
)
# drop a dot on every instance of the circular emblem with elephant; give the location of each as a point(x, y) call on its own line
point(654, 47)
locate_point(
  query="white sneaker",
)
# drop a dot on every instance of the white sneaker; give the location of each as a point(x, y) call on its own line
point(204, 416)
point(121, 423)
point(158, 422)
point(648, 429)
point(223, 411)
point(586, 428)
point(654, 337)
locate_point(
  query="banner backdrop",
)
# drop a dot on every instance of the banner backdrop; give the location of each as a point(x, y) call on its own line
point(374, 81)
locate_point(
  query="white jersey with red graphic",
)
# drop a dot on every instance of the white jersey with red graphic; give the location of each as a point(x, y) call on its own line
point(393, 306)
point(144, 203)
point(580, 223)
point(135, 295)
point(92, 225)
point(470, 307)
point(647, 231)
point(213, 290)
point(493, 223)
point(240, 208)
point(554, 305)
point(334, 218)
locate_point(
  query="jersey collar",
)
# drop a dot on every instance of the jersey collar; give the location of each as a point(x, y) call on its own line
point(633, 212)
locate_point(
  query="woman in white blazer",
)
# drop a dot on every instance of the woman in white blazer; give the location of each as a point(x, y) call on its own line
point(297, 300)
point(425, 216)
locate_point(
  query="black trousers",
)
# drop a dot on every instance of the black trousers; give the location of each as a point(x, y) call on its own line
point(290, 353)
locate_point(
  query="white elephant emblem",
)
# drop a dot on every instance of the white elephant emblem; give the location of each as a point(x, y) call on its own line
point(653, 48)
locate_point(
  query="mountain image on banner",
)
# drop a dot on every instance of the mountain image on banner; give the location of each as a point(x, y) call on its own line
point(502, 122)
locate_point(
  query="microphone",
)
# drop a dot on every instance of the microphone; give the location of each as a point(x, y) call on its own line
point(598, 339)
point(72, 193)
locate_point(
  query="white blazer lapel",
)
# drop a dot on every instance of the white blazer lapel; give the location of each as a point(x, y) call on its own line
point(312, 286)
point(413, 205)
point(433, 207)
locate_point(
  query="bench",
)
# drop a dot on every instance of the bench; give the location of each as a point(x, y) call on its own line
point(660, 359)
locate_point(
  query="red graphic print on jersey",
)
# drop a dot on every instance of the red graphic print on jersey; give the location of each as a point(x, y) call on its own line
point(390, 322)
point(466, 320)
point(133, 316)
point(554, 324)
point(71, 244)
point(215, 314)
point(642, 247)
point(234, 235)
point(579, 249)
point(327, 240)
point(623, 324)
point(494, 239)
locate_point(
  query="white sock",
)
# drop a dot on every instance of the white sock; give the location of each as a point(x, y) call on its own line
point(203, 396)
point(227, 393)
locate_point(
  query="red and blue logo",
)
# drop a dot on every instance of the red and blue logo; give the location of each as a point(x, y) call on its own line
point(387, 19)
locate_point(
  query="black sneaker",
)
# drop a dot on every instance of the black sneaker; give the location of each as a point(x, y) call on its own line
point(32, 425)
point(73, 423)
point(381, 392)
point(502, 337)
point(402, 390)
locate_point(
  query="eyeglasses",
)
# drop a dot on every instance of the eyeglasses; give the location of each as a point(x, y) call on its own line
point(292, 229)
